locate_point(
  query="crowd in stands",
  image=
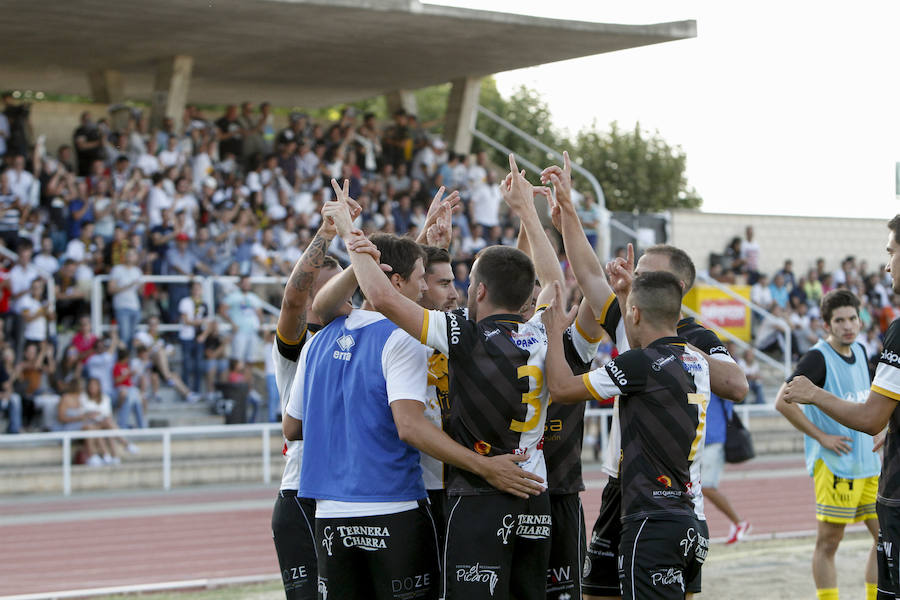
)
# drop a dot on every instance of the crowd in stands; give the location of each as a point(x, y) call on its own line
point(226, 195)
point(794, 297)
point(229, 195)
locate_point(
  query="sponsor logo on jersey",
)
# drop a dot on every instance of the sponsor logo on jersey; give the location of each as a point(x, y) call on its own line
point(659, 363)
point(322, 588)
point(691, 363)
point(890, 357)
point(478, 573)
point(533, 527)
point(489, 334)
point(506, 526)
point(294, 573)
point(667, 493)
point(718, 350)
point(364, 537)
point(345, 342)
point(523, 340)
point(616, 373)
point(586, 570)
point(665, 480)
point(482, 447)
point(669, 576)
point(454, 329)
point(559, 575)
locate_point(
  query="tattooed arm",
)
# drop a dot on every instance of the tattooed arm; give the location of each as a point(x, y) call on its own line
point(292, 319)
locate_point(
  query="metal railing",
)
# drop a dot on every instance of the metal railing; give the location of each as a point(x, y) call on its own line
point(165, 434)
point(209, 297)
point(606, 220)
point(263, 429)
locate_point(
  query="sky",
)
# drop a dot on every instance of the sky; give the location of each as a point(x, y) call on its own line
point(781, 107)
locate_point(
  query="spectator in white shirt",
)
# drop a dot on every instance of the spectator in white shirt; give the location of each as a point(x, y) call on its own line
point(36, 313)
point(22, 184)
point(124, 280)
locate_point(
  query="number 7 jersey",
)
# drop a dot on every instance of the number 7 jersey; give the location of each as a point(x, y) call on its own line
point(498, 392)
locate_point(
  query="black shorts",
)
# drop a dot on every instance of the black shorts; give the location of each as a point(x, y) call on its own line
point(693, 583)
point(601, 576)
point(387, 557)
point(567, 547)
point(498, 546)
point(888, 550)
point(293, 530)
point(438, 500)
point(658, 557)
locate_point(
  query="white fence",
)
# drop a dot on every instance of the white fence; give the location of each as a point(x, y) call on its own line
point(263, 429)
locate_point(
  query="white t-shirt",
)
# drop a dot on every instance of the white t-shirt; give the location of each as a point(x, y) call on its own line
point(20, 280)
point(157, 201)
point(123, 275)
point(187, 308)
point(47, 263)
point(486, 205)
point(35, 330)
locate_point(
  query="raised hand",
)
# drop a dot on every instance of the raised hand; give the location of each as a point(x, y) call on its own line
point(517, 192)
point(620, 272)
point(439, 203)
point(561, 178)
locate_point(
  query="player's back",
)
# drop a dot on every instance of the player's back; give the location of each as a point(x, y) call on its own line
point(662, 426)
point(497, 389)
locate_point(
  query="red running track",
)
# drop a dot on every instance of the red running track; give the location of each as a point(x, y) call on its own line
point(60, 544)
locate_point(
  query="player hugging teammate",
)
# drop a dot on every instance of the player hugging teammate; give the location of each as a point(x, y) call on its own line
point(409, 381)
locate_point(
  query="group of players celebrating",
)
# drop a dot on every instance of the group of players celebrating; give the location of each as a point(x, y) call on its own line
point(424, 457)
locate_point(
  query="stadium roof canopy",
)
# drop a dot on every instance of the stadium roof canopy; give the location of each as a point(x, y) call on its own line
point(290, 52)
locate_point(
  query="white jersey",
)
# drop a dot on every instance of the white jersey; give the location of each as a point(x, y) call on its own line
point(285, 379)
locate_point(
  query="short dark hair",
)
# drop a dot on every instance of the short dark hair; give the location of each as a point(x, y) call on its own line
point(658, 295)
point(435, 255)
point(508, 275)
point(399, 252)
point(680, 262)
point(836, 299)
point(894, 225)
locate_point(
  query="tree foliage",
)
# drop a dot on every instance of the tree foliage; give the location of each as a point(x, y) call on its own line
point(637, 170)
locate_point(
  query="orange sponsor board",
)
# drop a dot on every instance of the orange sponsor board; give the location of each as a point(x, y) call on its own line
point(719, 310)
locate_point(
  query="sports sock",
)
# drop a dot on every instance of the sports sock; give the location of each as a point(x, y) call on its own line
point(827, 594)
point(871, 591)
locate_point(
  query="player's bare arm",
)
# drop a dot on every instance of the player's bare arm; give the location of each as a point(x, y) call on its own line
point(585, 264)
point(405, 313)
point(726, 378)
point(292, 318)
point(501, 471)
point(869, 417)
point(518, 194)
point(333, 298)
point(794, 414)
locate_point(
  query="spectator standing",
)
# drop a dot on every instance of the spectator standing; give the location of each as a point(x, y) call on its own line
point(750, 255)
point(124, 280)
point(754, 375)
point(193, 313)
point(231, 134)
point(245, 315)
point(88, 144)
point(36, 314)
point(128, 396)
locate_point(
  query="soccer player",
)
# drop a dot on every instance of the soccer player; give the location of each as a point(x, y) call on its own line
point(498, 405)
point(879, 410)
point(362, 405)
point(663, 388)
point(840, 460)
point(726, 378)
point(293, 518)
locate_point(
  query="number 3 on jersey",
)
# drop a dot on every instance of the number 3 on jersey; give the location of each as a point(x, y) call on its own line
point(531, 398)
point(701, 401)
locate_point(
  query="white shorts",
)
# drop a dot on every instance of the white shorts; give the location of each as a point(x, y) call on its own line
point(243, 346)
point(712, 465)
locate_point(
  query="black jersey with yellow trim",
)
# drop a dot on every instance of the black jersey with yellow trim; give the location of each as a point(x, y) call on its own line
point(887, 383)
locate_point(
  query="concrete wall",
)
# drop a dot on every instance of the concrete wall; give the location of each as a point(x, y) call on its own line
point(803, 239)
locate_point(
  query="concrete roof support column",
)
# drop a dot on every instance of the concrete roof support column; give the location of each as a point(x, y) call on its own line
point(107, 86)
point(398, 99)
point(461, 113)
point(170, 89)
